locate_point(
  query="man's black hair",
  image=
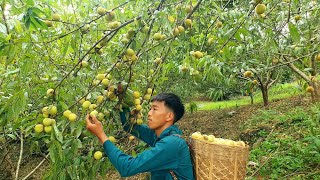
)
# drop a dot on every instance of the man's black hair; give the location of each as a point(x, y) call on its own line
point(173, 102)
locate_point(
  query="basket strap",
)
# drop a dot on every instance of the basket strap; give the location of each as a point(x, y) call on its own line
point(173, 175)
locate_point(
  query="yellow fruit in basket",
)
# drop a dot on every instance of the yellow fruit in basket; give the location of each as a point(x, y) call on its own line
point(211, 138)
point(197, 135)
point(240, 143)
point(230, 142)
point(205, 137)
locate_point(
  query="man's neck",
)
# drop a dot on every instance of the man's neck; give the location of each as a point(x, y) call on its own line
point(161, 129)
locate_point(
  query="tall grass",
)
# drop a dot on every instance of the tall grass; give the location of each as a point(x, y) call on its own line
point(279, 91)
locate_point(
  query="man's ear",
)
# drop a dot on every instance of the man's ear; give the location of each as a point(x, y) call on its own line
point(170, 116)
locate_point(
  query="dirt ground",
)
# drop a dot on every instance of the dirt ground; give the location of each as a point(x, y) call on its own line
point(224, 123)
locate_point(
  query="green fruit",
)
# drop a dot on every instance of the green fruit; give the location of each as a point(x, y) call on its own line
point(97, 155)
point(181, 29)
point(260, 8)
point(145, 29)
point(105, 81)
point(56, 17)
point(92, 107)
point(48, 23)
point(219, 24)
point(47, 122)
point(101, 10)
point(45, 110)
point(157, 36)
point(130, 52)
point(72, 117)
point(139, 121)
point(188, 22)
point(86, 104)
point(48, 129)
point(176, 32)
point(110, 16)
point(38, 128)
point(50, 92)
point(53, 110)
point(100, 116)
point(100, 99)
point(100, 77)
point(94, 113)
point(84, 64)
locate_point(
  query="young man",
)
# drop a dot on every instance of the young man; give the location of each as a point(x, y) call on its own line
point(168, 158)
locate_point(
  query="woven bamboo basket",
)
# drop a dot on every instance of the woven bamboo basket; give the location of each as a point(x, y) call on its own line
point(216, 161)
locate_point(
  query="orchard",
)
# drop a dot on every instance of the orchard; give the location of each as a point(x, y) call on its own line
point(62, 60)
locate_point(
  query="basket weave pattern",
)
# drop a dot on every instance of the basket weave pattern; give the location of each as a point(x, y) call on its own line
point(216, 161)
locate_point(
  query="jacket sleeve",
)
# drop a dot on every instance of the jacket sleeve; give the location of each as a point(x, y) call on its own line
point(142, 132)
point(163, 156)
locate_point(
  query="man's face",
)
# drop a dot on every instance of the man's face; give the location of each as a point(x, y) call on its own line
point(158, 115)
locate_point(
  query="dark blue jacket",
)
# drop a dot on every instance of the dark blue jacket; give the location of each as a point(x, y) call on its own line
point(167, 152)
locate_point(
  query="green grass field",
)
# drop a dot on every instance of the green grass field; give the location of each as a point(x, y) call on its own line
point(276, 92)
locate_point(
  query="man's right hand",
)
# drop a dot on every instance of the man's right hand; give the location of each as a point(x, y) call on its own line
point(96, 128)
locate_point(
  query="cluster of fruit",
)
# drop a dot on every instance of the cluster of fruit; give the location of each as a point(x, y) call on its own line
point(214, 140)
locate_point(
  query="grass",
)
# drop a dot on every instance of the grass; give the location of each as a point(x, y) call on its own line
point(276, 92)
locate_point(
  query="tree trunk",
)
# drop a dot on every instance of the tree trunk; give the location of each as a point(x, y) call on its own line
point(264, 89)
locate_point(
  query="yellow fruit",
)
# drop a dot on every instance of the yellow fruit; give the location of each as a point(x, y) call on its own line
point(106, 113)
point(97, 155)
point(82, 100)
point(45, 110)
point(101, 10)
point(136, 94)
point(100, 77)
point(100, 116)
point(46, 121)
point(138, 107)
point(151, 71)
point(149, 90)
point(48, 23)
point(188, 22)
point(240, 143)
point(53, 110)
point(134, 58)
point(317, 57)
point(130, 52)
point(147, 97)
point(38, 128)
point(260, 8)
point(48, 129)
point(56, 17)
point(105, 81)
point(181, 29)
point(219, 24)
point(184, 69)
point(112, 139)
point(72, 117)
point(188, 9)
point(198, 54)
point(157, 36)
point(163, 37)
point(114, 25)
point(92, 107)
point(197, 135)
point(310, 89)
point(145, 29)
point(171, 19)
point(45, 115)
point(53, 121)
point(109, 76)
point(110, 16)
point(210, 41)
point(175, 32)
point(297, 18)
point(66, 113)
point(255, 82)
point(99, 99)
point(94, 113)
point(131, 138)
point(137, 101)
point(211, 138)
point(86, 104)
point(50, 92)
point(248, 74)
point(139, 121)
point(84, 64)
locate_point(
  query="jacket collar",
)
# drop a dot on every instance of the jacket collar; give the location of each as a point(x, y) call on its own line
point(173, 129)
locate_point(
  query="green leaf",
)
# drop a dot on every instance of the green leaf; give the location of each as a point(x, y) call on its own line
point(57, 133)
point(294, 34)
